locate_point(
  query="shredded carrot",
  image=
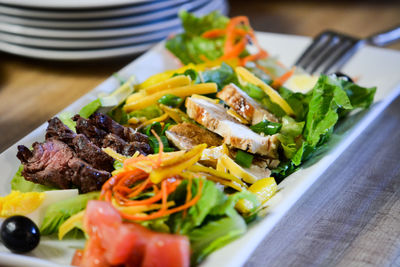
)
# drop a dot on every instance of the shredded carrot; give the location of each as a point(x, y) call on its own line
point(161, 213)
point(282, 79)
point(214, 33)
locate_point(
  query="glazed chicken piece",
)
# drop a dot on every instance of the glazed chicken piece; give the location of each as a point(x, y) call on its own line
point(215, 118)
point(187, 135)
point(244, 105)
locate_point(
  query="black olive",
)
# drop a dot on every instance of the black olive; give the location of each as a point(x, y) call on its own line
point(19, 234)
point(341, 75)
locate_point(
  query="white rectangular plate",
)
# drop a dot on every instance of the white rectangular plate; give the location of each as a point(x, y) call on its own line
point(373, 66)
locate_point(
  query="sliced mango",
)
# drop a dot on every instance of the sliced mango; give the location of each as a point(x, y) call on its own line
point(184, 91)
point(264, 189)
point(236, 170)
point(177, 81)
point(176, 166)
point(273, 95)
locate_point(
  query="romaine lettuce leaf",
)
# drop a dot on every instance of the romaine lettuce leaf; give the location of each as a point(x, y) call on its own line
point(327, 97)
point(19, 183)
point(221, 76)
point(214, 235)
point(189, 46)
point(66, 118)
point(59, 212)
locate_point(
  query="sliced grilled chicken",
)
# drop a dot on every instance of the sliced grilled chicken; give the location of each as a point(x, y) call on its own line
point(187, 135)
point(215, 118)
point(244, 105)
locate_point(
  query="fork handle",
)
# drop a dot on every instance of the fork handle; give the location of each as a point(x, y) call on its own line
point(385, 37)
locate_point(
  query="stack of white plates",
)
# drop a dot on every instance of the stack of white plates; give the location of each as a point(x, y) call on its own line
point(91, 29)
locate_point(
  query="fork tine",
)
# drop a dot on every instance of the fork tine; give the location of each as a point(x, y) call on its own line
point(330, 54)
point(317, 43)
point(342, 56)
point(324, 53)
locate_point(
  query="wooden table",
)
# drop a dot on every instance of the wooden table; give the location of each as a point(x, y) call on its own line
point(351, 216)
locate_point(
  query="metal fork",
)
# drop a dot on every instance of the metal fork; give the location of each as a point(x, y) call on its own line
point(330, 50)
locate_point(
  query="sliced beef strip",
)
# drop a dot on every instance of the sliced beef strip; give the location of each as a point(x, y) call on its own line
point(54, 163)
point(84, 148)
point(105, 123)
point(128, 149)
point(92, 154)
point(86, 127)
point(58, 129)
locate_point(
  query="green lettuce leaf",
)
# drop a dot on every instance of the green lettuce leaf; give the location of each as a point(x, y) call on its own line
point(215, 235)
point(150, 112)
point(57, 213)
point(90, 108)
point(189, 46)
point(221, 76)
point(19, 183)
point(327, 97)
point(66, 118)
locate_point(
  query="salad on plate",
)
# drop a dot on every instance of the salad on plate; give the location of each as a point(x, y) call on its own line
point(164, 172)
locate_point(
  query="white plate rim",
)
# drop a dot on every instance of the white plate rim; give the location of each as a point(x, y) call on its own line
point(41, 43)
point(87, 14)
point(113, 32)
point(71, 4)
point(102, 22)
point(236, 252)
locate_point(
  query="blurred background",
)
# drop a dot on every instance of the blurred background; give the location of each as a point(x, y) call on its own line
point(110, 34)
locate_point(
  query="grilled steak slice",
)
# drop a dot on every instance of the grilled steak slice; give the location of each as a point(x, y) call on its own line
point(58, 129)
point(105, 123)
point(92, 154)
point(128, 149)
point(187, 135)
point(244, 105)
point(83, 147)
point(215, 118)
point(54, 163)
point(87, 128)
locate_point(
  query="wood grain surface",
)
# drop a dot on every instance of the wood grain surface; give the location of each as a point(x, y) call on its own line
point(350, 217)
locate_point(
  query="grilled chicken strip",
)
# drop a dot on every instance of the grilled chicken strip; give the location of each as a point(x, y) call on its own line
point(187, 135)
point(244, 105)
point(215, 118)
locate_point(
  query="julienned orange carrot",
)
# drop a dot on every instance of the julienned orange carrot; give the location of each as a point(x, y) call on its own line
point(161, 213)
point(215, 33)
point(282, 79)
point(130, 183)
point(236, 40)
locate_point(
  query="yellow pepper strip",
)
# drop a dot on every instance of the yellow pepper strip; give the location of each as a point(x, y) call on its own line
point(231, 184)
point(215, 101)
point(175, 113)
point(223, 175)
point(135, 97)
point(175, 166)
point(75, 221)
point(159, 77)
point(143, 208)
point(237, 116)
point(236, 170)
point(115, 155)
point(274, 95)
point(177, 81)
point(264, 189)
point(158, 119)
point(184, 91)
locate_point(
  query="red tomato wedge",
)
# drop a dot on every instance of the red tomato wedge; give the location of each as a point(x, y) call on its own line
point(114, 242)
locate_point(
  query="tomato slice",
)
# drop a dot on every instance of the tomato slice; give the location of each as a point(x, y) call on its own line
point(166, 250)
point(114, 242)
